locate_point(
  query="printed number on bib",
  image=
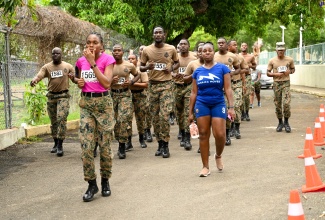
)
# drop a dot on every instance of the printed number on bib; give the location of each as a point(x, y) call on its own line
point(181, 70)
point(282, 69)
point(57, 74)
point(121, 80)
point(89, 76)
point(160, 66)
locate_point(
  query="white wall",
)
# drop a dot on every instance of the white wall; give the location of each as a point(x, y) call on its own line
point(309, 75)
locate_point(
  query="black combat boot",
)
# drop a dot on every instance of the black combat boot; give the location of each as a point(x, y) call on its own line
point(179, 136)
point(91, 191)
point(55, 147)
point(187, 141)
point(232, 130)
point(182, 142)
point(149, 136)
point(165, 150)
point(228, 141)
point(280, 125)
point(95, 149)
point(237, 131)
point(142, 142)
point(128, 144)
point(59, 152)
point(106, 190)
point(247, 116)
point(287, 127)
point(159, 150)
point(243, 116)
point(121, 151)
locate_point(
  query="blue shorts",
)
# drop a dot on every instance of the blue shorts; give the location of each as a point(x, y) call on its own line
point(215, 111)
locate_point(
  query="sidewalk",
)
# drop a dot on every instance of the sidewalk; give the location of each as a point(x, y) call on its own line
point(308, 90)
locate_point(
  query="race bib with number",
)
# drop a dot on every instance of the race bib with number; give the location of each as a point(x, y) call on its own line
point(282, 69)
point(254, 75)
point(181, 70)
point(57, 74)
point(89, 76)
point(121, 80)
point(160, 66)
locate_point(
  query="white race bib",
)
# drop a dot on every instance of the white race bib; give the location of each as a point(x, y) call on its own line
point(254, 75)
point(89, 75)
point(121, 80)
point(56, 74)
point(282, 69)
point(160, 66)
point(181, 70)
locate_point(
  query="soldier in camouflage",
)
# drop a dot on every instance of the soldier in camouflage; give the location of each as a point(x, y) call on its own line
point(58, 73)
point(280, 68)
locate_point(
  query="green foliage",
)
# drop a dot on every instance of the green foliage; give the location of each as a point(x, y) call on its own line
point(35, 100)
point(113, 14)
point(180, 18)
point(200, 36)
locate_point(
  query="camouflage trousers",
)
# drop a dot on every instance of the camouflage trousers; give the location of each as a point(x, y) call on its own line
point(160, 97)
point(237, 89)
point(257, 87)
point(123, 114)
point(148, 116)
point(140, 110)
point(282, 99)
point(182, 100)
point(58, 110)
point(246, 99)
point(96, 124)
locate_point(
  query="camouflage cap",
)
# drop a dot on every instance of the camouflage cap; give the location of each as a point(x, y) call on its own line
point(280, 46)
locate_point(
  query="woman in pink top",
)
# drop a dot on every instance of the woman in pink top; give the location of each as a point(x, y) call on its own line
point(94, 77)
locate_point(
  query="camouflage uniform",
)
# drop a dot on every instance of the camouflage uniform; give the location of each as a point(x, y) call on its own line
point(96, 115)
point(161, 105)
point(282, 95)
point(237, 89)
point(148, 116)
point(58, 111)
point(123, 113)
point(182, 99)
point(139, 99)
point(246, 100)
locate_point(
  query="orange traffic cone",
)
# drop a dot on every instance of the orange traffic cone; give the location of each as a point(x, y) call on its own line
point(309, 144)
point(295, 210)
point(313, 180)
point(322, 118)
point(318, 134)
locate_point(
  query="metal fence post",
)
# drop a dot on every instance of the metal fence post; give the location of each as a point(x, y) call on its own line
point(6, 81)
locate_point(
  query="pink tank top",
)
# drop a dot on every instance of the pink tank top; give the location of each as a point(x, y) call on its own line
point(91, 82)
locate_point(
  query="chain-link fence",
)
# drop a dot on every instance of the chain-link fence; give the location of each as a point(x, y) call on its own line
point(312, 54)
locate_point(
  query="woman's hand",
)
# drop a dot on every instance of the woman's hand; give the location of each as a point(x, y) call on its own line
point(232, 113)
point(90, 56)
point(190, 118)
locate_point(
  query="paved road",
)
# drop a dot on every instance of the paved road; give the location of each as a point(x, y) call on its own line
point(260, 170)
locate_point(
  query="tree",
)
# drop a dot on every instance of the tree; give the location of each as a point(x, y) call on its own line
point(180, 18)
